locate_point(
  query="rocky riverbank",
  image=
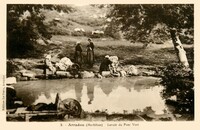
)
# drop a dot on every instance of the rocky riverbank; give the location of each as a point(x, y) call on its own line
point(33, 69)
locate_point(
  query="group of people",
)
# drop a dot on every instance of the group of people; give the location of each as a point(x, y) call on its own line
point(65, 63)
point(109, 63)
point(78, 57)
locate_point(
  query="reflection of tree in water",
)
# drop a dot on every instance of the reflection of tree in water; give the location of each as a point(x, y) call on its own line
point(30, 91)
point(78, 90)
point(144, 83)
point(90, 92)
point(137, 83)
point(128, 83)
point(28, 96)
point(108, 85)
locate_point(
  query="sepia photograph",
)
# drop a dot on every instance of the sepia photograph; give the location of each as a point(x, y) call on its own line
point(100, 62)
point(85, 65)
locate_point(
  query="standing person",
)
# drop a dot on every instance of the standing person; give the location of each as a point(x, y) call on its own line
point(78, 53)
point(90, 52)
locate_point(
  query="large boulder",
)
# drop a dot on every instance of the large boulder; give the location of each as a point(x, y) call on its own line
point(64, 64)
point(148, 73)
point(28, 73)
point(98, 75)
point(23, 78)
point(86, 74)
point(37, 71)
point(132, 70)
point(106, 73)
point(25, 63)
point(64, 74)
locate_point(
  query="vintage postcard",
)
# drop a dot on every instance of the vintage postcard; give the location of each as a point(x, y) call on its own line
point(99, 64)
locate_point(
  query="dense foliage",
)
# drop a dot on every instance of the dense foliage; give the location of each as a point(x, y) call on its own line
point(178, 81)
point(25, 24)
point(138, 21)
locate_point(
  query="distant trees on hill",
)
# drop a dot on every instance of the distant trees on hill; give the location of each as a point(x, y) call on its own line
point(25, 24)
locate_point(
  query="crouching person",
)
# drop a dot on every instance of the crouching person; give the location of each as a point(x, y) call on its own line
point(109, 66)
point(48, 66)
point(114, 64)
point(105, 65)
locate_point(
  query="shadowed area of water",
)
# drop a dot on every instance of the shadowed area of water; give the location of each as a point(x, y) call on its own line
point(114, 95)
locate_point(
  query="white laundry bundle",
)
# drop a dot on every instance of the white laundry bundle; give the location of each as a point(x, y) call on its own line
point(64, 64)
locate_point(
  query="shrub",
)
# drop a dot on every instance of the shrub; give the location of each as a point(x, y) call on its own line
point(78, 33)
point(187, 36)
point(113, 31)
point(11, 68)
point(179, 81)
point(186, 39)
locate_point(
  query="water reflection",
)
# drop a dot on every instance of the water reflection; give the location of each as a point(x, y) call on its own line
point(108, 86)
point(112, 94)
point(90, 92)
point(78, 90)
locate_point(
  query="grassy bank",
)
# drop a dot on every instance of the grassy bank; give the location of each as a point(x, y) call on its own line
point(128, 53)
point(155, 55)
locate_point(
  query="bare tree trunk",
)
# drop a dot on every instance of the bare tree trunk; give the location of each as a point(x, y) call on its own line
point(179, 48)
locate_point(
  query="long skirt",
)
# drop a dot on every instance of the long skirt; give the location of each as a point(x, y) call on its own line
point(90, 57)
point(78, 57)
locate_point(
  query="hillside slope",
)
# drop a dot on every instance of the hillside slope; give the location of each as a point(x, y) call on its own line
point(87, 17)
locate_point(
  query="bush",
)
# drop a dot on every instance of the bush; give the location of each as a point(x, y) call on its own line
point(78, 33)
point(113, 31)
point(187, 36)
point(179, 81)
point(186, 39)
point(11, 68)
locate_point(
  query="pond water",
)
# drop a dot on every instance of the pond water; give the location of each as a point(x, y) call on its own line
point(114, 95)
